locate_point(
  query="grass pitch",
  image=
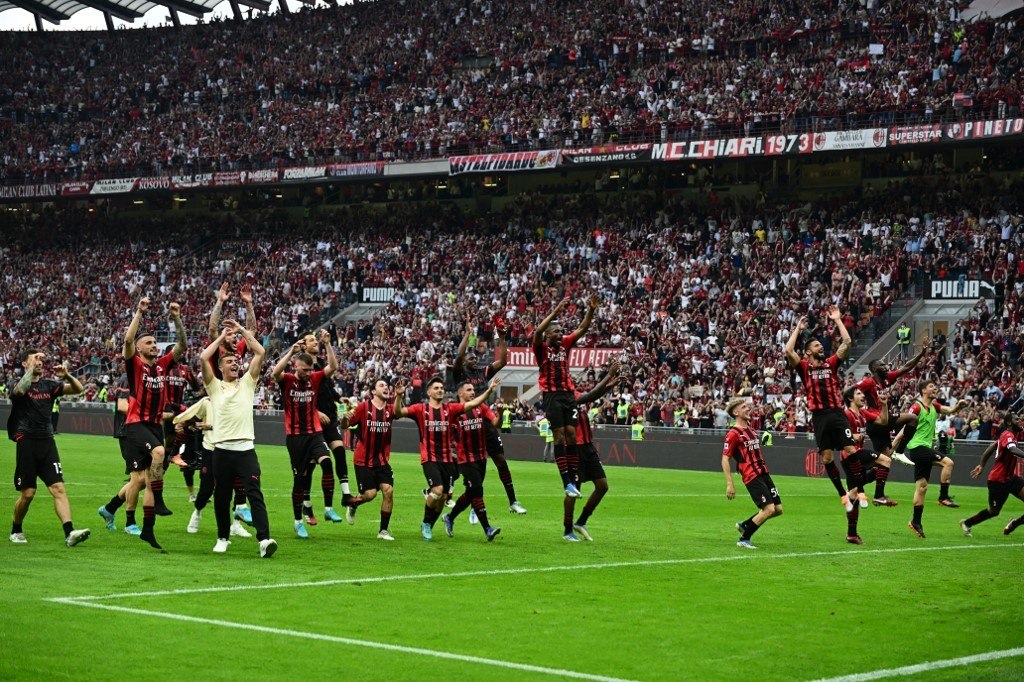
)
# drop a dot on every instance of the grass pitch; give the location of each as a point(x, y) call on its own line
point(662, 593)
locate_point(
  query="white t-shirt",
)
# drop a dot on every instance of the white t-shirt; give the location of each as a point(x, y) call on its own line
point(231, 404)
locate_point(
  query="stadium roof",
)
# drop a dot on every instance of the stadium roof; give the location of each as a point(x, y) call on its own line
point(56, 11)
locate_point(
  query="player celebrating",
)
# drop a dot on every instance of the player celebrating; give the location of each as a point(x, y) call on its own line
point(233, 436)
point(919, 451)
point(128, 496)
point(372, 420)
point(863, 466)
point(31, 428)
point(305, 438)
point(551, 350)
point(439, 468)
point(882, 378)
point(822, 383)
point(147, 384)
point(327, 410)
point(743, 445)
point(179, 376)
point(465, 369)
point(1003, 480)
point(591, 468)
point(233, 343)
point(471, 446)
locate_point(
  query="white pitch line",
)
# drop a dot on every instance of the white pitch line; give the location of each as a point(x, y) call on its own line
point(927, 667)
point(518, 571)
point(462, 658)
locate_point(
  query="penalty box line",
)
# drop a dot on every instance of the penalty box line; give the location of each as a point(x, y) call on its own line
point(526, 570)
point(382, 646)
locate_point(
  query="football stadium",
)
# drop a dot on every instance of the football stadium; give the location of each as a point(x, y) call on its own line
point(635, 340)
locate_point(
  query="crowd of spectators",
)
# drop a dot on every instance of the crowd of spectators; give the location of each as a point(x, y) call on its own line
point(699, 297)
point(426, 78)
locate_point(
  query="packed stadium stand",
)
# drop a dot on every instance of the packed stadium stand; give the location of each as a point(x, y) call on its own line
point(424, 79)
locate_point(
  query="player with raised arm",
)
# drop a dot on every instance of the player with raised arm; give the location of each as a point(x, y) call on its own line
point(471, 445)
point(881, 434)
point(1003, 480)
point(823, 384)
point(147, 386)
point(863, 465)
point(233, 435)
point(551, 350)
point(591, 468)
point(233, 343)
point(31, 428)
point(304, 433)
point(327, 399)
point(919, 450)
point(372, 420)
point(433, 419)
point(743, 445)
point(465, 368)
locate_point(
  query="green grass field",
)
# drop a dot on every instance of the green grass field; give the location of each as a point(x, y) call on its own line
point(662, 593)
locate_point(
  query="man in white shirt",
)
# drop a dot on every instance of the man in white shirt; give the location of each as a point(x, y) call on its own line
point(233, 435)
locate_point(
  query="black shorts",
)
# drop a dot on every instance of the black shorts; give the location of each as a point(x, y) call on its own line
point(142, 437)
point(591, 468)
point(473, 474)
point(442, 474)
point(495, 448)
point(999, 492)
point(332, 433)
point(831, 430)
point(305, 450)
point(560, 408)
point(36, 458)
point(372, 478)
point(923, 458)
point(763, 492)
point(881, 437)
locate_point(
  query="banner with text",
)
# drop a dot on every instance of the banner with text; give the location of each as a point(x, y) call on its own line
point(521, 357)
point(503, 163)
point(376, 294)
point(612, 153)
point(960, 288)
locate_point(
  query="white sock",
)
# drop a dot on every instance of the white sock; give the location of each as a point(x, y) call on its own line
point(345, 490)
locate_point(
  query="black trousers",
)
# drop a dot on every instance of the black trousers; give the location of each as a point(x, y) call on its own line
point(206, 477)
point(226, 465)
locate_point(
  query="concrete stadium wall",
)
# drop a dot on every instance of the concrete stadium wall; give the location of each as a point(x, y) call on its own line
point(662, 449)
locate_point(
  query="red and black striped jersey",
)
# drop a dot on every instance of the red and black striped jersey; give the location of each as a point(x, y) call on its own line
point(1005, 466)
point(553, 362)
point(871, 386)
point(471, 433)
point(373, 448)
point(859, 422)
point(435, 438)
point(147, 388)
point(744, 446)
point(299, 401)
point(822, 383)
point(584, 434)
point(178, 377)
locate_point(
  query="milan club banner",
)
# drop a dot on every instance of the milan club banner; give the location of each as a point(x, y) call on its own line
point(521, 357)
point(352, 170)
point(982, 129)
point(960, 288)
point(30, 191)
point(840, 140)
point(75, 189)
point(613, 153)
point(260, 177)
point(921, 134)
point(503, 163)
point(113, 186)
